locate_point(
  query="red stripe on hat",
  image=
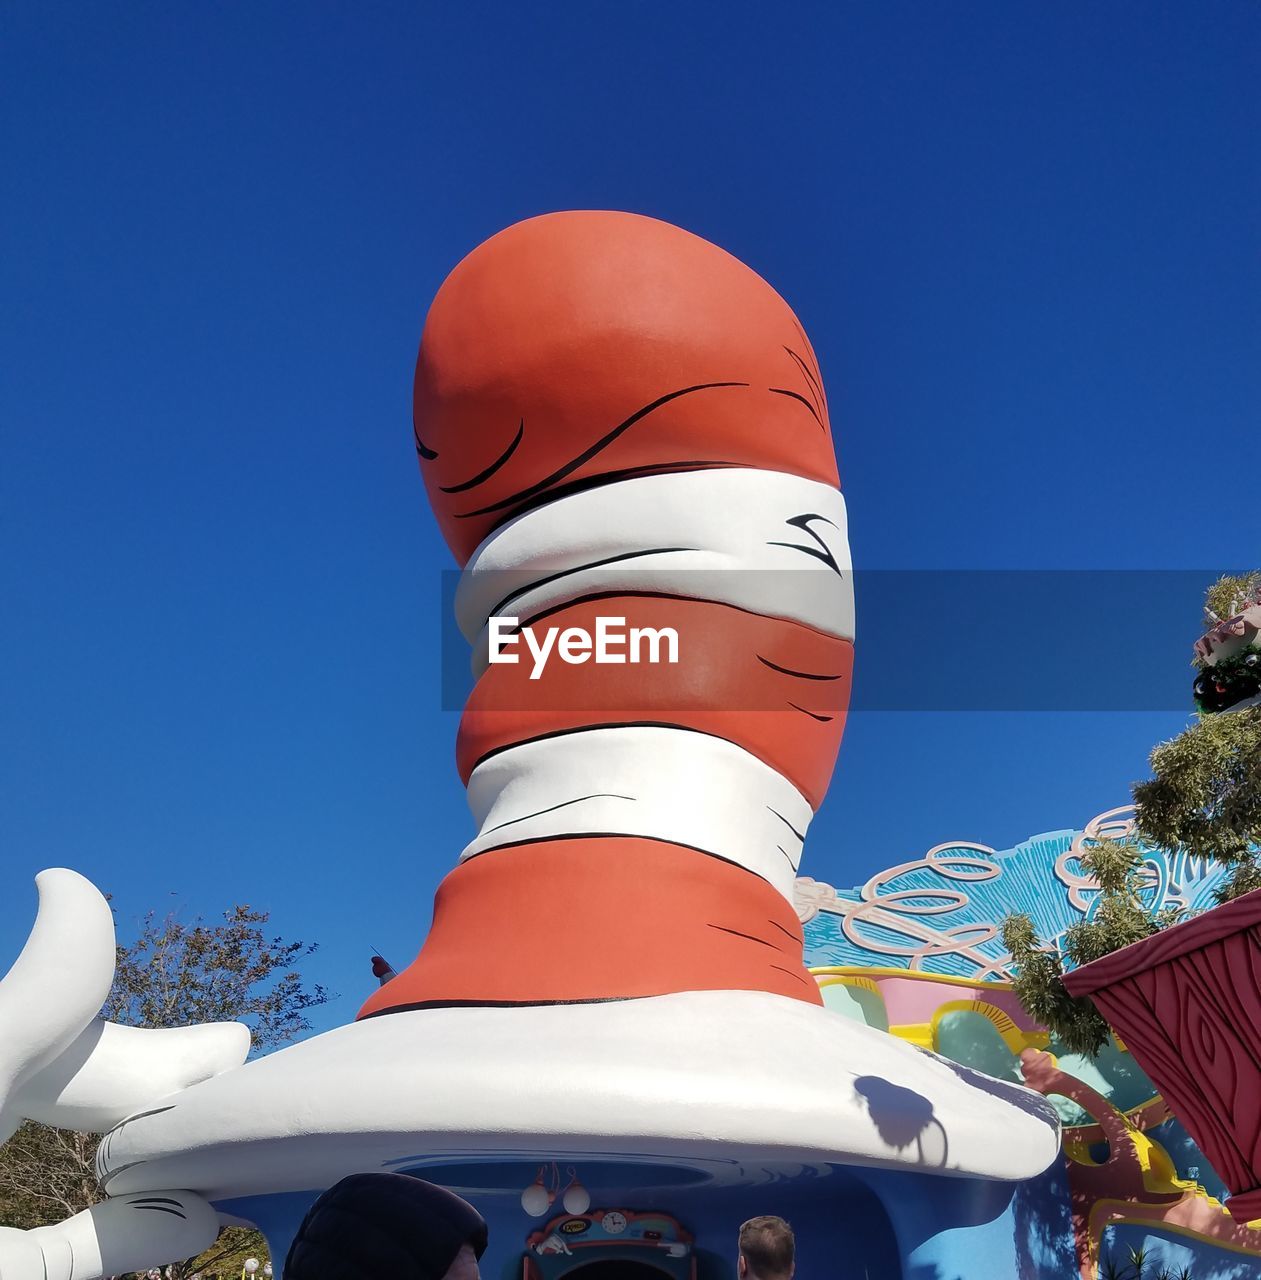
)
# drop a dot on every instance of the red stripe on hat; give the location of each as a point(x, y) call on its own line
point(580, 347)
point(600, 918)
point(778, 689)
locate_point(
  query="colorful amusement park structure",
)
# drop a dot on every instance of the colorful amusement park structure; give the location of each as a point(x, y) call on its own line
point(615, 418)
point(917, 951)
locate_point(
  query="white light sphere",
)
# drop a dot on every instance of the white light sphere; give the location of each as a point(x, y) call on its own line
point(577, 1199)
point(267, 1269)
point(535, 1200)
point(251, 1265)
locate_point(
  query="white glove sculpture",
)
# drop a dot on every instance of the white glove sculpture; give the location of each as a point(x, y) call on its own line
point(60, 1063)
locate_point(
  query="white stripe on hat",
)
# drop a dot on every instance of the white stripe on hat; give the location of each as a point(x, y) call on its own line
point(667, 784)
point(763, 541)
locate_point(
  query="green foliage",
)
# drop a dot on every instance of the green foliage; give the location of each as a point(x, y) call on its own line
point(1204, 800)
point(1135, 1268)
point(1121, 916)
point(1229, 595)
point(225, 1258)
point(46, 1174)
point(1040, 989)
point(1110, 1269)
point(1228, 682)
point(172, 975)
point(1205, 796)
point(1240, 666)
point(177, 974)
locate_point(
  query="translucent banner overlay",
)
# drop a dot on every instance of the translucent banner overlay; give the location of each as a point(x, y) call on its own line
point(960, 640)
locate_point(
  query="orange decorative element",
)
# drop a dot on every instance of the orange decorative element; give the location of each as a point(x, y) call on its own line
point(600, 918)
point(1147, 1115)
point(586, 345)
point(1137, 1183)
point(778, 689)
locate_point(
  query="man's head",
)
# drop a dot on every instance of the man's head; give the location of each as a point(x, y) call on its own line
point(767, 1250)
point(400, 1227)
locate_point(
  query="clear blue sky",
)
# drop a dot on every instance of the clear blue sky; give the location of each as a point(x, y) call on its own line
point(1023, 239)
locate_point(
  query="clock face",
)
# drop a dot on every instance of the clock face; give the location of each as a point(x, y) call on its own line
point(614, 1223)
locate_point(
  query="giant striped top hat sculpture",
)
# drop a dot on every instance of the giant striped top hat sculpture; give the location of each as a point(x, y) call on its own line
point(614, 419)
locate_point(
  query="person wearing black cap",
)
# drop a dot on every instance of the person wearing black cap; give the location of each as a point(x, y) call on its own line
point(378, 1225)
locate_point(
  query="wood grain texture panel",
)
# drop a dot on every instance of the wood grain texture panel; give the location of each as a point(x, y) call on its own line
point(1187, 1004)
point(1183, 939)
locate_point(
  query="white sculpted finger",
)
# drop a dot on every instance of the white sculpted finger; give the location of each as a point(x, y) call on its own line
point(21, 1257)
point(110, 1072)
point(57, 985)
point(130, 1233)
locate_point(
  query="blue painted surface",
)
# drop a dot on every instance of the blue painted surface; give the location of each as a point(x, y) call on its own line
point(836, 1214)
point(1189, 1160)
point(962, 892)
point(864, 1224)
point(276, 1216)
point(965, 1229)
point(1205, 1260)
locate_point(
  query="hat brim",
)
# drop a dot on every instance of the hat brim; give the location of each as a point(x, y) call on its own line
point(702, 1078)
